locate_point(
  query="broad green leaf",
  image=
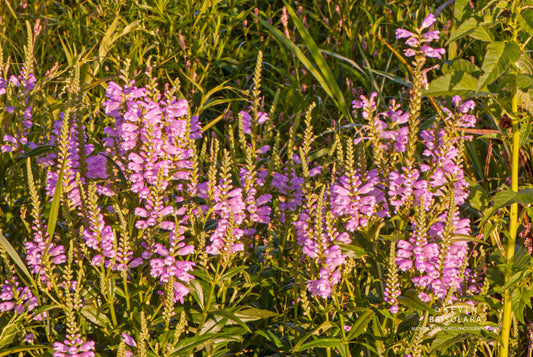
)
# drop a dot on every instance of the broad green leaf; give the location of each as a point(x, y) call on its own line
point(521, 259)
point(506, 198)
point(408, 323)
point(197, 292)
point(517, 277)
point(461, 65)
point(466, 28)
point(107, 41)
point(326, 325)
point(498, 57)
point(481, 33)
point(524, 81)
point(526, 21)
point(457, 83)
point(187, 345)
point(319, 343)
point(318, 154)
point(525, 64)
point(518, 304)
point(461, 6)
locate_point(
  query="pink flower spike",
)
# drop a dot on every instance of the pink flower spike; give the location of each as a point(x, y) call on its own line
point(428, 21)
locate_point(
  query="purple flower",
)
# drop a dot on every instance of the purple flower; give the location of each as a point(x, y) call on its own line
point(127, 339)
point(433, 52)
point(402, 33)
point(428, 21)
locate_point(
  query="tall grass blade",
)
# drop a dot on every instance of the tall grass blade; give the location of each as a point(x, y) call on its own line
point(323, 74)
point(14, 255)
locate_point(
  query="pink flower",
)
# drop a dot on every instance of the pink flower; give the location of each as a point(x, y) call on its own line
point(127, 339)
point(428, 21)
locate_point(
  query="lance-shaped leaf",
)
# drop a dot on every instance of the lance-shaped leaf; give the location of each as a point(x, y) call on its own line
point(498, 57)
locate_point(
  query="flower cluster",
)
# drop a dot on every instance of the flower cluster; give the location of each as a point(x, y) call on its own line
point(357, 201)
point(166, 264)
point(74, 346)
point(153, 134)
point(14, 297)
point(317, 235)
point(418, 41)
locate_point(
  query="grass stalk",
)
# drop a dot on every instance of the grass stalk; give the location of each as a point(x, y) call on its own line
point(513, 214)
point(513, 228)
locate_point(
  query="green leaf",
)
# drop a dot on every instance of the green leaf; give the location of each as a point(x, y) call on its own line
point(95, 316)
point(498, 57)
point(481, 33)
point(14, 255)
point(466, 28)
point(54, 209)
point(411, 299)
point(15, 350)
point(230, 274)
point(319, 343)
point(186, 345)
point(445, 339)
point(352, 251)
point(507, 198)
point(464, 237)
point(37, 151)
point(525, 132)
point(525, 19)
point(457, 83)
point(270, 336)
point(231, 316)
point(196, 289)
point(524, 81)
point(518, 304)
point(252, 314)
point(323, 74)
point(461, 6)
point(360, 325)
point(392, 77)
point(461, 65)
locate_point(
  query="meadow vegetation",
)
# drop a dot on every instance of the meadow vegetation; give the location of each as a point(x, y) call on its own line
point(266, 178)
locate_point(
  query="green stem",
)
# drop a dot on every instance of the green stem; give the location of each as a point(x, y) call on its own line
point(210, 296)
point(513, 228)
point(126, 292)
